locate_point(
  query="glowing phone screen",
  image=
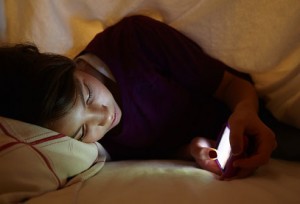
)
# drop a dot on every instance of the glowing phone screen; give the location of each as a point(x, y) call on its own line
point(224, 148)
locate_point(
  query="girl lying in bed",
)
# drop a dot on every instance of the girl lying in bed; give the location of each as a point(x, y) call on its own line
point(144, 90)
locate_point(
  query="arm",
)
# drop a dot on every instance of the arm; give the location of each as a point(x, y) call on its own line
point(241, 97)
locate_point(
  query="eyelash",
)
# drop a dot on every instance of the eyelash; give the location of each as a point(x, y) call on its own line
point(90, 94)
point(82, 134)
point(88, 101)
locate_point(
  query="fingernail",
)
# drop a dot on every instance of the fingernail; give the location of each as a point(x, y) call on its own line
point(212, 154)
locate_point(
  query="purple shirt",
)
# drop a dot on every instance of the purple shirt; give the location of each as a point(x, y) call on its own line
point(165, 82)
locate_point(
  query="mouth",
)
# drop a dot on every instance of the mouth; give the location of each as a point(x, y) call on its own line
point(113, 121)
point(115, 117)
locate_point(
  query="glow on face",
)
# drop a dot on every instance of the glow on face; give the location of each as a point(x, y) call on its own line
point(94, 113)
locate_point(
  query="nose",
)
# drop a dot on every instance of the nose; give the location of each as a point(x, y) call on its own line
point(99, 115)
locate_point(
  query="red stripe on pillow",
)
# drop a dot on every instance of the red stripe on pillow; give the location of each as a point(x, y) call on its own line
point(10, 144)
point(54, 137)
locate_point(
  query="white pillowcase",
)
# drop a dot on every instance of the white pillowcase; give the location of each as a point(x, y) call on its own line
point(35, 160)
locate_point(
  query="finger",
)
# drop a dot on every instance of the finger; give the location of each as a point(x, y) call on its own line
point(209, 165)
point(208, 154)
point(236, 138)
point(266, 144)
point(204, 153)
point(205, 158)
point(242, 173)
point(201, 149)
point(202, 142)
point(251, 162)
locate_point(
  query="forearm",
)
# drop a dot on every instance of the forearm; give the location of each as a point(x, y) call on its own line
point(237, 93)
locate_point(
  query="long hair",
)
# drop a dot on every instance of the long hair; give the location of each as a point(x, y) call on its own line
point(35, 87)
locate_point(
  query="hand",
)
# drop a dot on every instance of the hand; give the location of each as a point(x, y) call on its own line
point(203, 153)
point(242, 123)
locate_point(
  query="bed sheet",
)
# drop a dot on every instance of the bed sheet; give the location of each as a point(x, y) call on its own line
point(180, 182)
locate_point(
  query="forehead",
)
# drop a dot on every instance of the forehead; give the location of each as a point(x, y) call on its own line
point(84, 70)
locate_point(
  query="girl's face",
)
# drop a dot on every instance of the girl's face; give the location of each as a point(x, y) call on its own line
point(94, 113)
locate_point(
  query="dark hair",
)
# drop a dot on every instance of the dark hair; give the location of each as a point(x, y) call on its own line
point(35, 87)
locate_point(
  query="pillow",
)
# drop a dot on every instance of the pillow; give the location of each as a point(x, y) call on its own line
point(35, 160)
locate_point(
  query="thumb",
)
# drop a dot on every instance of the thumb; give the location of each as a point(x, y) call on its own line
point(207, 153)
point(206, 160)
point(201, 149)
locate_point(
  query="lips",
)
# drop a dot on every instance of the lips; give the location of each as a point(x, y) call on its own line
point(113, 120)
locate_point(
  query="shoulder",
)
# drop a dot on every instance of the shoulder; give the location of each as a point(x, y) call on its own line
point(139, 19)
point(136, 23)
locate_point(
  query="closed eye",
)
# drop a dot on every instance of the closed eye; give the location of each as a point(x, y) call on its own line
point(82, 133)
point(90, 94)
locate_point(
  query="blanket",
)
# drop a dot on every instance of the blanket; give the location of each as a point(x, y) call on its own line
point(260, 37)
point(233, 31)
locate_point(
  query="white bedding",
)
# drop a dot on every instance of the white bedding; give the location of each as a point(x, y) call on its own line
point(162, 182)
point(261, 37)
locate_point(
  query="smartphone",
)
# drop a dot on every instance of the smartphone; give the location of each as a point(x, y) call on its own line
point(225, 158)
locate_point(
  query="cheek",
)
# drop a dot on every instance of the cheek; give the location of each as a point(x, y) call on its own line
point(103, 94)
point(95, 134)
point(69, 123)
